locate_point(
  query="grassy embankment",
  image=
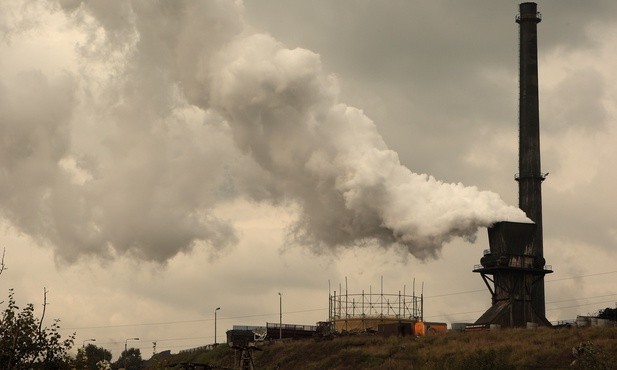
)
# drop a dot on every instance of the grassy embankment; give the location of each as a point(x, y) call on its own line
point(503, 349)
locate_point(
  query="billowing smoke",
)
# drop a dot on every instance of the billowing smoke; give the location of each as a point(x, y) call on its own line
point(176, 108)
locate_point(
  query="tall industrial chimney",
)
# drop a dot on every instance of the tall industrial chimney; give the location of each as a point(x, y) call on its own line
point(530, 176)
point(515, 263)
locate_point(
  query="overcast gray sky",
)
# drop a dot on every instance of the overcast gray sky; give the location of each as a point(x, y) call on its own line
point(162, 159)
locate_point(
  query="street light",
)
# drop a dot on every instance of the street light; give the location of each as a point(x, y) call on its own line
point(125, 350)
point(83, 344)
point(218, 308)
point(280, 316)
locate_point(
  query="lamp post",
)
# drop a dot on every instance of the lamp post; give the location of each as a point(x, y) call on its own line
point(83, 344)
point(218, 308)
point(126, 351)
point(280, 316)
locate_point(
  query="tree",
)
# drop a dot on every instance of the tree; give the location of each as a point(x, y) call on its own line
point(89, 356)
point(25, 343)
point(132, 358)
point(608, 313)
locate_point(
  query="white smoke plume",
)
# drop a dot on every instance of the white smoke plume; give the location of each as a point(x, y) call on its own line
point(133, 151)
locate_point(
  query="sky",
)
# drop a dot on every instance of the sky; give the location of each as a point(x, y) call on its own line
point(162, 159)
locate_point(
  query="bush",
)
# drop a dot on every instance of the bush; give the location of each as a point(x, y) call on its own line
point(25, 343)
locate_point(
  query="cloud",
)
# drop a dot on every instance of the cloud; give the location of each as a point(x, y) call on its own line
point(147, 152)
point(284, 111)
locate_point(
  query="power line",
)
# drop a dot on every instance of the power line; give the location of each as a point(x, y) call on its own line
point(580, 276)
point(580, 305)
point(580, 298)
point(139, 324)
point(192, 321)
point(547, 281)
point(117, 344)
point(550, 302)
point(456, 293)
point(320, 309)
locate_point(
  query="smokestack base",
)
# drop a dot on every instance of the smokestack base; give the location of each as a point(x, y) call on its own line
point(514, 271)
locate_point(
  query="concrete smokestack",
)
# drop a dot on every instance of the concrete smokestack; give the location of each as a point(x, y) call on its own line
point(513, 268)
point(530, 176)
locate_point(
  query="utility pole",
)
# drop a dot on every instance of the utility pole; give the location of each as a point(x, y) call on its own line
point(218, 308)
point(280, 316)
point(126, 350)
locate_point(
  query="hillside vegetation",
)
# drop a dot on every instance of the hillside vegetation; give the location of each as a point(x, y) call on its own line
point(588, 348)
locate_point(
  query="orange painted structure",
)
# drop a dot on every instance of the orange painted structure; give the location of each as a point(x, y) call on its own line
point(423, 328)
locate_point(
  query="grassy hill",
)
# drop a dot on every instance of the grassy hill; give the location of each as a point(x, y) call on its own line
point(502, 349)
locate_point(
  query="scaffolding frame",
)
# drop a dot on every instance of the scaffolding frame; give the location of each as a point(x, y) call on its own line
point(345, 307)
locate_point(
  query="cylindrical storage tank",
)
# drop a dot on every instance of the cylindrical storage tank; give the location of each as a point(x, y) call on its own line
point(582, 321)
point(532, 325)
point(593, 321)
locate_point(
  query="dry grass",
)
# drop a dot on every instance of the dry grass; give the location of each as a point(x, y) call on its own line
point(503, 349)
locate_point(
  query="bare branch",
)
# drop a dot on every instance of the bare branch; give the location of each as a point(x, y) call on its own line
point(2, 265)
point(40, 334)
point(45, 291)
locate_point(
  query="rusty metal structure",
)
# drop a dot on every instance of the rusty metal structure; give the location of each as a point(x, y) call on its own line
point(365, 311)
point(513, 268)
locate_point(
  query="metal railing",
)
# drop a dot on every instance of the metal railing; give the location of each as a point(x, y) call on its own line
point(545, 267)
point(291, 326)
point(537, 17)
point(531, 175)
